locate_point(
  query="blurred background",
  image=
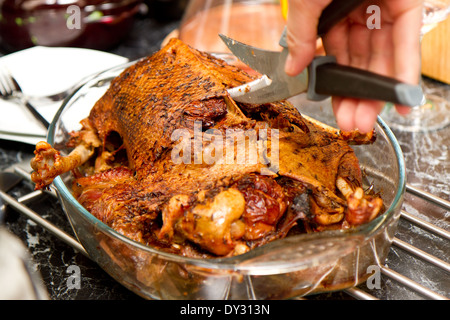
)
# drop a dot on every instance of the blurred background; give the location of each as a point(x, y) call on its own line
point(108, 24)
point(93, 24)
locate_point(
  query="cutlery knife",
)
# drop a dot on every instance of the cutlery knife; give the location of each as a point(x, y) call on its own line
point(322, 78)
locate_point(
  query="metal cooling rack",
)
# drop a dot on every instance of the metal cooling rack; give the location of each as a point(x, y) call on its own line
point(19, 204)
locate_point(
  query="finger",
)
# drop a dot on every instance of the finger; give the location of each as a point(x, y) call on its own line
point(303, 17)
point(360, 46)
point(366, 114)
point(383, 57)
point(349, 39)
point(382, 51)
point(403, 110)
point(336, 42)
point(406, 37)
point(356, 114)
point(344, 112)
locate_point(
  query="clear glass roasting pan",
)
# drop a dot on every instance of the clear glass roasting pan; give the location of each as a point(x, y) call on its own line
point(295, 266)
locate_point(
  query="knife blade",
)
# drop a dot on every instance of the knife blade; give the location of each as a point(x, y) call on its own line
point(323, 77)
point(271, 65)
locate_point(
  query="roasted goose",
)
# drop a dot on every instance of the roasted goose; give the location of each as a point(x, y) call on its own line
point(125, 173)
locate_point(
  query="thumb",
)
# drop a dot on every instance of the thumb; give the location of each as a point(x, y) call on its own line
point(302, 21)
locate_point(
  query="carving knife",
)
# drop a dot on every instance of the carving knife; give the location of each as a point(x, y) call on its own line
point(323, 77)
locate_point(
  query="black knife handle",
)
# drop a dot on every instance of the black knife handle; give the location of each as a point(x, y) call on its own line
point(332, 79)
point(335, 12)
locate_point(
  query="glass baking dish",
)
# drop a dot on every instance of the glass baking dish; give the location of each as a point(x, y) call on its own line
point(295, 266)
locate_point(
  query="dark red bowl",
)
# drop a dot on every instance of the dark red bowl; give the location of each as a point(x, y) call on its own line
point(94, 24)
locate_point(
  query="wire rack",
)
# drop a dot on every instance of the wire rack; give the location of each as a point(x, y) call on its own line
point(423, 290)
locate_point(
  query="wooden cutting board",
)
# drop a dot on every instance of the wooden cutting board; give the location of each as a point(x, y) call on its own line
point(436, 52)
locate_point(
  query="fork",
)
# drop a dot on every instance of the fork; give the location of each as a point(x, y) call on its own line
point(10, 89)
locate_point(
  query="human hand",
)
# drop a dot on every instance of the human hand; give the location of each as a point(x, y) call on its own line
point(393, 50)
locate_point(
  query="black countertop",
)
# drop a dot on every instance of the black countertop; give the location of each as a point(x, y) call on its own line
point(427, 164)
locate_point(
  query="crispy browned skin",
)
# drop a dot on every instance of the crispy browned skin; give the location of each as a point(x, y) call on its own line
point(206, 208)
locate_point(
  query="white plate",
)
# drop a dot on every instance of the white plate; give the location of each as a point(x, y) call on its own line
point(46, 71)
